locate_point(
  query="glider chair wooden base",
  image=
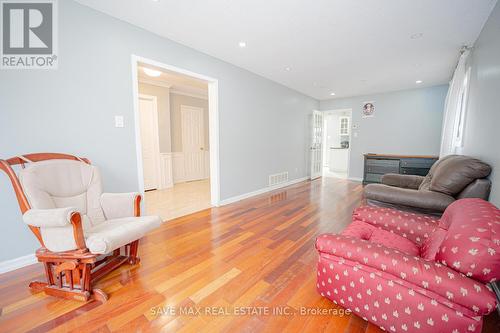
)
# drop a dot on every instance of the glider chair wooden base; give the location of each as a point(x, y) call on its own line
point(84, 234)
point(71, 274)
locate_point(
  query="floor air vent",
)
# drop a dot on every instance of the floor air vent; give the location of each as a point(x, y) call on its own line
point(278, 178)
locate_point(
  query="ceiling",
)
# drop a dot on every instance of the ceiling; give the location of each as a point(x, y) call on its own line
point(177, 83)
point(349, 47)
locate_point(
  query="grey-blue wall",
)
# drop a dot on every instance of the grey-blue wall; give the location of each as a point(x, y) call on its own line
point(72, 110)
point(405, 122)
point(482, 125)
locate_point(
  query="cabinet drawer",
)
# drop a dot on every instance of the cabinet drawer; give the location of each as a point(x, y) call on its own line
point(415, 171)
point(382, 163)
point(424, 163)
point(382, 169)
point(373, 178)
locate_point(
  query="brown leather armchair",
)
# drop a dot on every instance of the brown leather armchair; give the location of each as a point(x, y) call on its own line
point(450, 178)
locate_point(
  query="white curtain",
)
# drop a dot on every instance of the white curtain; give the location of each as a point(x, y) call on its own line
point(454, 109)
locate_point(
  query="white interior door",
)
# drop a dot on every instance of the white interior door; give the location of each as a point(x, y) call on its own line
point(149, 141)
point(193, 142)
point(316, 144)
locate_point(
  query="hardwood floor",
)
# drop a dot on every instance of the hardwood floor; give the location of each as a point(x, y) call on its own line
point(257, 252)
point(179, 200)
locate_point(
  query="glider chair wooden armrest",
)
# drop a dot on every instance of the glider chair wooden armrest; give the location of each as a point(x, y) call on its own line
point(84, 233)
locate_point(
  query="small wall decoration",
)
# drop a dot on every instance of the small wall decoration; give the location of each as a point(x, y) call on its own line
point(368, 109)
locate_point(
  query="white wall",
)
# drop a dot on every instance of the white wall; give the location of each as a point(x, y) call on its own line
point(405, 122)
point(332, 130)
point(482, 135)
point(327, 138)
point(263, 125)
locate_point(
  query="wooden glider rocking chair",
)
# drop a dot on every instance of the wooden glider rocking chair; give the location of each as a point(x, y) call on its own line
point(84, 233)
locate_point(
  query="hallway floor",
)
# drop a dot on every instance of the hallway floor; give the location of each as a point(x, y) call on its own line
point(180, 200)
point(328, 173)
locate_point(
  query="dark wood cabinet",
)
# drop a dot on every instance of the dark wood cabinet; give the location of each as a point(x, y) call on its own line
point(377, 165)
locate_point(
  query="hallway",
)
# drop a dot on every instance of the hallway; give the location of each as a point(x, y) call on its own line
point(182, 199)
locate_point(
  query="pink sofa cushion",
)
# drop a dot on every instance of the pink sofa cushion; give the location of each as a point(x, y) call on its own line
point(472, 244)
point(431, 245)
point(415, 227)
point(375, 235)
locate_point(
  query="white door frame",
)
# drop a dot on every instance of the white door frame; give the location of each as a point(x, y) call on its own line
point(213, 122)
point(350, 136)
point(156, 133)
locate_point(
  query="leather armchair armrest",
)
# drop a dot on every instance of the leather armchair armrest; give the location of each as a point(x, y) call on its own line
point(119, 205)
point(404, 181)
point(480, 188)
point(425, 275)
point(432, 201)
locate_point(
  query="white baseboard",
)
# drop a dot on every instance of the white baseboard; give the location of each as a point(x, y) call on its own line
point(355, 179)
point(261, 191)
point(12, 264)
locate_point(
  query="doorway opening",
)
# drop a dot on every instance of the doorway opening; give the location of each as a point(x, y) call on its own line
point(176, 124)
point(336, 143)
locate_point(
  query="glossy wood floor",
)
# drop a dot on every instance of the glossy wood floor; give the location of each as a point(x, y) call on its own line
point(258, 252)
point(179, 200)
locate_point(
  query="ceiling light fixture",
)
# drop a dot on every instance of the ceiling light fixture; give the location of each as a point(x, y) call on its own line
point(242, 44)
point(288, 69)
point(417, 35)
point(418, 81)
point(151, 72)
point(332, 94)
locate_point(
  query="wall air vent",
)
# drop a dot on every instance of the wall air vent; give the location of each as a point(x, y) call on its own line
point(278, 178)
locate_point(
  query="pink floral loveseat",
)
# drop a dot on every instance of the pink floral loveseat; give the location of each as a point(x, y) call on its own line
point(413, 273)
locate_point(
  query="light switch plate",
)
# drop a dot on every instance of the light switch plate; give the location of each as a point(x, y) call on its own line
point(119, 121)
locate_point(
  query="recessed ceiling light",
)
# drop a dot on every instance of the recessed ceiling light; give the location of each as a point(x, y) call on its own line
point(417, 35)
point(151, 72)
point(288, 69)
point(332, 94)
point(418, 81)
point(242, 44)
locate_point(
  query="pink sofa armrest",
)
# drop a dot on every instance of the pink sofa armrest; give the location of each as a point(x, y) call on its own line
point(415, 227)
point(429, 275)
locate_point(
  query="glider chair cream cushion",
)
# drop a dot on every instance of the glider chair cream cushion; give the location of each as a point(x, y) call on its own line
point(55, 189)
point(84, 234)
